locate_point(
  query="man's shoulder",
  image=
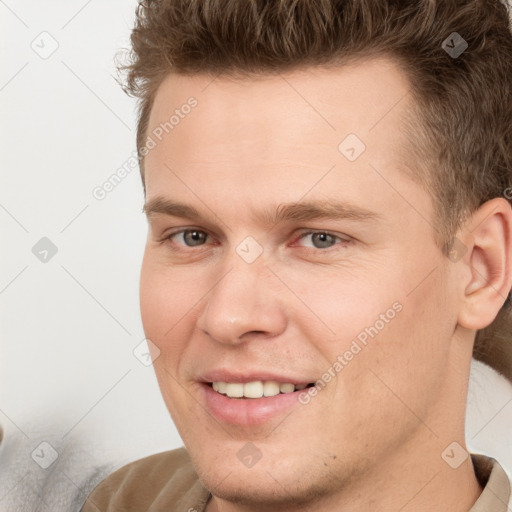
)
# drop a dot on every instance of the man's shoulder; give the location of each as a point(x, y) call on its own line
point(161, 481)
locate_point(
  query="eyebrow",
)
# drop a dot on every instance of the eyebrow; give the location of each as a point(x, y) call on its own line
point(303, 211)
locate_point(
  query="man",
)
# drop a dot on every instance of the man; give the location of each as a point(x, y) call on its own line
point(326, 185)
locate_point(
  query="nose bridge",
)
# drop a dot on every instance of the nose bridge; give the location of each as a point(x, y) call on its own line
point(241, 301)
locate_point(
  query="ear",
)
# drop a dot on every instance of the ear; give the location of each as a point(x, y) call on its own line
point(487, 275)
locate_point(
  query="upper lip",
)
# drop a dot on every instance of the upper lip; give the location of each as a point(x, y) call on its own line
point(224, 375)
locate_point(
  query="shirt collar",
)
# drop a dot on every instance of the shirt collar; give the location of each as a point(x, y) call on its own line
point(492, 477)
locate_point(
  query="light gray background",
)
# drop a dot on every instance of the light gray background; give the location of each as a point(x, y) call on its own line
point(69, 326)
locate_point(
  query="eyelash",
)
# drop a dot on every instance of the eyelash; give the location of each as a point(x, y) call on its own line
point(343, 241)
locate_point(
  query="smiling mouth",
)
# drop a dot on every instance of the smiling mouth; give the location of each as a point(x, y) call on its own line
point(256, 389)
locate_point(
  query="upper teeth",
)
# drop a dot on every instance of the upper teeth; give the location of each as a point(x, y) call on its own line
point(255, 389)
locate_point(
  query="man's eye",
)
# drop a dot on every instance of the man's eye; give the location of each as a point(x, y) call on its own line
point(189, 237)
point(322, 239)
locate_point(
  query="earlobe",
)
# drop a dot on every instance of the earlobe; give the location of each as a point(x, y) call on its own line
point(488, 237)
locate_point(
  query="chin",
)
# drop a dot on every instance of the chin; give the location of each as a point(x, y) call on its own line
point(268, 485)
point(265, 492)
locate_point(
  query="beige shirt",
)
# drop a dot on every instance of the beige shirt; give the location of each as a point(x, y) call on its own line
point(168, 482)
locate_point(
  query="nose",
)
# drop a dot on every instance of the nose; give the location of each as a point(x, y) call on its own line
point(246, 303)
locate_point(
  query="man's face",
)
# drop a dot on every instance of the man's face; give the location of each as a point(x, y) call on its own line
point(235, 297)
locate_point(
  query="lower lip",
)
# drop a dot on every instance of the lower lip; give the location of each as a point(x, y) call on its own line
point(247, 411)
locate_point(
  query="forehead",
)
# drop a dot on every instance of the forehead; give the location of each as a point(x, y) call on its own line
point(354, 96)
point(315, 105)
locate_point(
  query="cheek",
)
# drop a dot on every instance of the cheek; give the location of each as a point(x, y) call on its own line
point(406, 362)
point(383, 337)
point(160, 314)
point(153, 303)
point(339, 306)
point(166, 300)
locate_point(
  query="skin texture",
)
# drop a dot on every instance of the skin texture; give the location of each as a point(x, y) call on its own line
point(372, 439)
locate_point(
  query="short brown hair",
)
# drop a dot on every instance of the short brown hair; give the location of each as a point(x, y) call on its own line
point(461, 133)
